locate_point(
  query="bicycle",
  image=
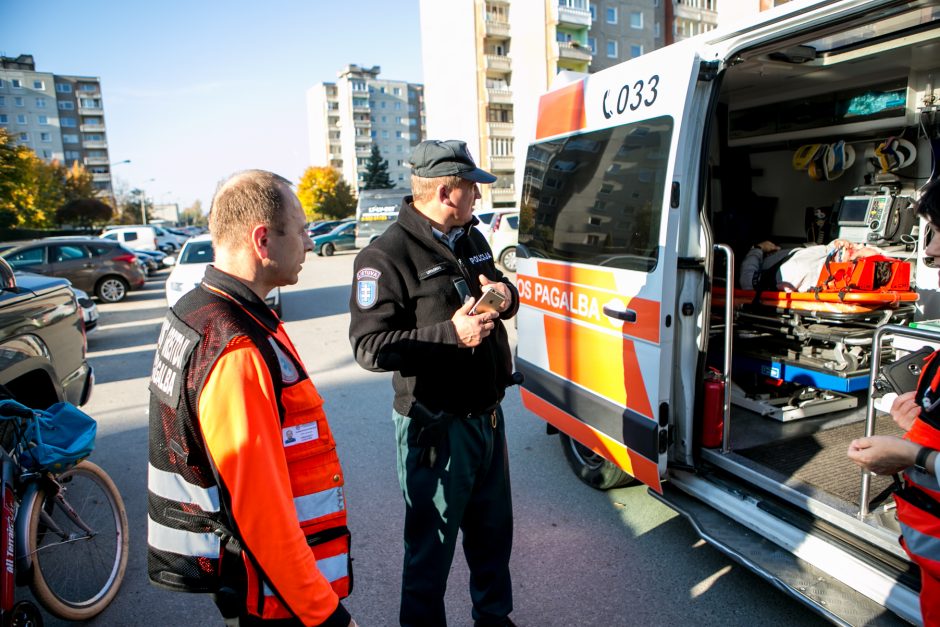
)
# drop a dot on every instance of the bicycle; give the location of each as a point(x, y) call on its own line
point(62, 533)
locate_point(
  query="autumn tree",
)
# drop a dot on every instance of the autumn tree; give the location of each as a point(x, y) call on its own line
point(84, 212)
point(376, 176)
point(324, 194)
point(193, 215)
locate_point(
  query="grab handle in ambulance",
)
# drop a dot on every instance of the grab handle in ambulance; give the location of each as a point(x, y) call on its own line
point(627, 315)
point(726, 365)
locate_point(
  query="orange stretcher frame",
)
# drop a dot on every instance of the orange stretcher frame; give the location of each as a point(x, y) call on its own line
point(847, 302)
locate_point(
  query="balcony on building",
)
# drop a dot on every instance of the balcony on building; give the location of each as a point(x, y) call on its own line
point(502, 163)
point(92, 128)
point(499, 96)
point(500, 129)
point(96, 161)
point(89, 110)
point(361, 108)
point(497, 63)
point(569, 15)
point(497, 29)
point(94, 144)
point(101, 178)
point(572, 51)
point(503, 194)
point(364, 139)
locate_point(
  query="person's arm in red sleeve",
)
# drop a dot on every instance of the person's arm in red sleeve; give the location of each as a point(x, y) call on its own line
point(241, 427)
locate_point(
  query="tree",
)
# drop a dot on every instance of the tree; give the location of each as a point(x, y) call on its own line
point(324, 194)
point(15, 175)
point(376, 176)
point(193, 215)
point(79, 183)
point(84, 212)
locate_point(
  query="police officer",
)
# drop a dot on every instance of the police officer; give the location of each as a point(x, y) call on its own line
point(245, 488)
point(413, 292)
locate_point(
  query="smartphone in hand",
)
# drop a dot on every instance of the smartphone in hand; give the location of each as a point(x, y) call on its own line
point(491, 300)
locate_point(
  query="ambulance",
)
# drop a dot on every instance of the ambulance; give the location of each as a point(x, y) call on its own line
point(646, 187)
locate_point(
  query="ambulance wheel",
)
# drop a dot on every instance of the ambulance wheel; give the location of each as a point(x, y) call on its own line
point(591, 468)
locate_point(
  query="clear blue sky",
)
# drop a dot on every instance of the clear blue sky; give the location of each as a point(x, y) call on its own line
point(194, 91)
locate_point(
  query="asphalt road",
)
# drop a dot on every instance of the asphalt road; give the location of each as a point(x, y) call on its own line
point(580, 557)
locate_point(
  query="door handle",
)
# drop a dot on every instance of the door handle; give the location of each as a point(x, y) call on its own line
point(627, 315)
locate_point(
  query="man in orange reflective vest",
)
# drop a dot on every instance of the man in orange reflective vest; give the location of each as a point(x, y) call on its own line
point(246, 495)
point(917, 412)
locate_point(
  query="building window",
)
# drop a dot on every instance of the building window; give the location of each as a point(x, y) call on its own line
point(69, 139)
point(612, 49)
point(67, 122)
point(635, 51)
point(66, 105)
point(397, 91)
point(382, 104)
point(63, 88)
point(46, 154)
point(72, 155)
point(89, 87)
point(18, 101)
point(43, 119)
point(90, 103)
point(4, 119)
point(3, 101)
point(45, 137)
point(398, 106)
point(636, 19)
point(24, 137)
point(611, 15)
point(657, 30)
point(592, 44)
point(593, 14)
point(40, 103)
point(16, 83)
point(40, 85)
point(398, 134)
point(21, 119)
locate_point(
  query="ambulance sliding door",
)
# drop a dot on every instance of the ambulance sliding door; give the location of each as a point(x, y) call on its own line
point(598, 289)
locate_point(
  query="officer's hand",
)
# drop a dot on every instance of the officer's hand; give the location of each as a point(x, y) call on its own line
point(472, 329)
point(500, 287)
point(904, 410)
point(883, 454)
point(768, 247)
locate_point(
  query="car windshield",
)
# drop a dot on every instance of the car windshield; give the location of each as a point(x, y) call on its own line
point(197, 252)
point(320, 229)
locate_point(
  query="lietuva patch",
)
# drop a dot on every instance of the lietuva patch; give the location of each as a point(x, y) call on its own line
point(367, 287)
point(175, 345)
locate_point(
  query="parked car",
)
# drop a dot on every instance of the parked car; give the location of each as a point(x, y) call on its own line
point(322, 227)
point(154, 259)
point(89, 309)
point(102, 267)
point(190, 267)
point(486, 218)
point(342, 237)
point(137, 237)
point(504, 237)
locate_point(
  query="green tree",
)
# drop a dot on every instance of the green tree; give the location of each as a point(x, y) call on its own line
point(376, 176)
point(16, 192)
point(324, 194)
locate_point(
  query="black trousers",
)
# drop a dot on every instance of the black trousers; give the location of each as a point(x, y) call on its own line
point(463, 485)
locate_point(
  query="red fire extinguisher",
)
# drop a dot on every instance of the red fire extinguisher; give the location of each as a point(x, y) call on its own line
point(713, 419)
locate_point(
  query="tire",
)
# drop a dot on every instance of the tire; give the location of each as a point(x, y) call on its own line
point(327, 249)
point(76, 579)
point(507, 259)
point(591, 468)
point(112, 289)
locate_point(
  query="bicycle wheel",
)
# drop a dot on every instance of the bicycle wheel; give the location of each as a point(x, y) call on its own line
point(79, 556)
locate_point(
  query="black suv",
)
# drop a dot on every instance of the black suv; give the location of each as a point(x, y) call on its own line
point(99, 266)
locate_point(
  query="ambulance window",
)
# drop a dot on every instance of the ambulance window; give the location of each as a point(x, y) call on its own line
point(597, 197)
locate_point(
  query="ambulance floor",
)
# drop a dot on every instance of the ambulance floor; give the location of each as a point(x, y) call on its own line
point(819, 459)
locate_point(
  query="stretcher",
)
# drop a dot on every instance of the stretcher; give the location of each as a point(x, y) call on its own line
point(798, 354)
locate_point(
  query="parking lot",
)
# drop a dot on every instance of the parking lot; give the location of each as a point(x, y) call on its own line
point(581, 557)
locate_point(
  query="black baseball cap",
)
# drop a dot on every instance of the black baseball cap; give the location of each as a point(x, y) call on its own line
point(433, 158)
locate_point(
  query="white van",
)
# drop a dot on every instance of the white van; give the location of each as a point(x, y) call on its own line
point(645, 186)
point(133, 237)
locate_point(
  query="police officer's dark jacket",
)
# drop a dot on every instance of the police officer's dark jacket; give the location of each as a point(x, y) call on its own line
point(407, 287)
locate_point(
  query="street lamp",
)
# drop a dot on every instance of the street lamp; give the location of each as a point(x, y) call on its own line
point(143, 201)
point(111, 184)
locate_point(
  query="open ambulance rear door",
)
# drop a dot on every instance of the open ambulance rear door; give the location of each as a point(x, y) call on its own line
point(605, 184)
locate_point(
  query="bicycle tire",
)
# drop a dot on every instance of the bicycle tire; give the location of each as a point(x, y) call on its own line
point(78, 578)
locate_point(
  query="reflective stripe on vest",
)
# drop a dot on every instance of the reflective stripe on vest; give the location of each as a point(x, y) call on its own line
point(921, 544)
point(319, 504)
point(173, 487)
point(333, 568)
point(182, 542)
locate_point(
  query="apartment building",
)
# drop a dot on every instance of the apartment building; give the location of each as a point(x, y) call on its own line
point(625, 29)
point(694, 17)
point(59, 117)
point(346, 117)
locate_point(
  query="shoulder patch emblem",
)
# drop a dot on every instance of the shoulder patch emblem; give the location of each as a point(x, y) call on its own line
point(367, 287)
point(289, 374)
